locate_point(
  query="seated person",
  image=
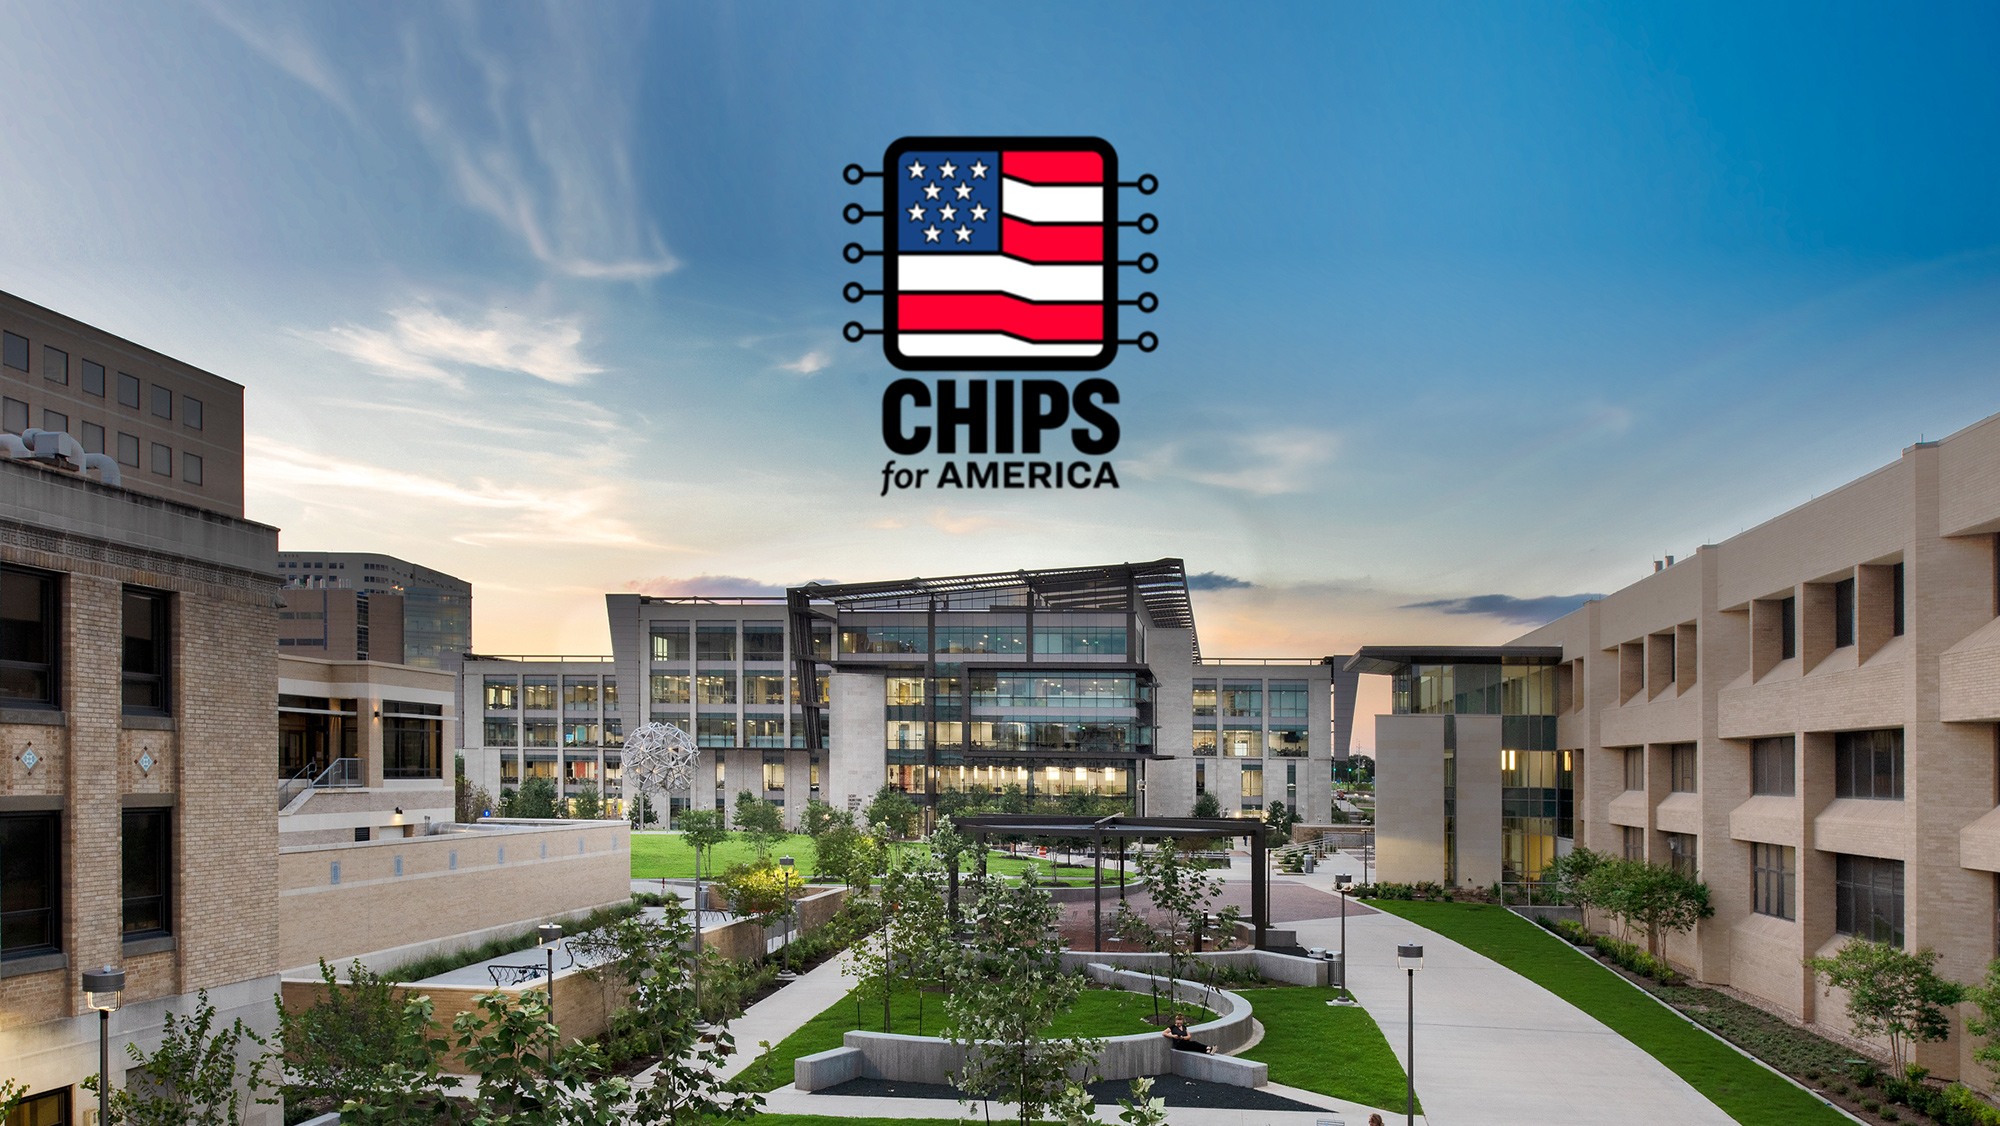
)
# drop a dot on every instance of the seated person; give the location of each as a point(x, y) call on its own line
point(1177, 1035)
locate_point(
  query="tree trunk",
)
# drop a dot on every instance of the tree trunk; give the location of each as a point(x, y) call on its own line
point(1653, 939)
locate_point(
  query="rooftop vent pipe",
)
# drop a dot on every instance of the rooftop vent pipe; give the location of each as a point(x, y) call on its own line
point(59, 451)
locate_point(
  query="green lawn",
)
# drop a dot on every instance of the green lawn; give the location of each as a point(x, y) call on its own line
point(1332, 1049)
point(1099, 1012)
point(666, 854)
point(1744, 1090)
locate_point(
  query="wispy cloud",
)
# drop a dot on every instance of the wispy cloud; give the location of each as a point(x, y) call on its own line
point(809, 363)
point(422, 343)
point(289, 48)
point(1264, 463)
point(1213, 580)
point(1507, 608)
point(719, 586)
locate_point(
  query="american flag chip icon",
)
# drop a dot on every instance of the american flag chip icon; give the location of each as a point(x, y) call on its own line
point(1000, 254)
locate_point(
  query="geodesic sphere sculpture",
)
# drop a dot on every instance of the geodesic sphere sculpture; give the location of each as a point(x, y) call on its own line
point(660, 757)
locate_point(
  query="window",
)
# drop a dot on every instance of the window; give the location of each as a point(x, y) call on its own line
point(670, 641)
point(15, 352)
point(1204, 697)
point(46, 1109)
point(1788, 624)
point(27, 638)
point(1634, 840)
point(128, 450)
point(54, 420)
point(55, 365)
point(715, 731)
point(502, 694)
point(1773, 767)
point(1680, 853)
point(579, 693)
point(958, 639)
point(93, 438)
point(1243, 742)
point(163, 402)
point(30, 883)
point(13, 415)
point(763, 641)
point(715, 687)
point(1288, 740)
point(1774, 880)
point(579, 770)
point(163, 460)
point(903, 735)
point(1868, 764)
point(614, 732)
point(510, 769)
point(1081, 640)
point(715, 641)
point(1868, 898)
point(1896, 598)
point(907, 639)
point(1244, 700)
point(93, 378)
point(579, 735)
point(774, 773)
point(128, 391)
point(1253, 785)
point(1204, 740)
point(670, 688)
point(145, 854)
point(145, 653)
point(1682, 757)
point(191, 468)
point(1200, 778)
point(190, 413)
point(764, 688)
point(765, 730)
point(411, 747)
point(1635, 769)
point(538, 693)
point(1288, 700)
point(539, 733)
point(1843, 613)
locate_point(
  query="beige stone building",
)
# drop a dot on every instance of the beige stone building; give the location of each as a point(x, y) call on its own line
point(1807, 715)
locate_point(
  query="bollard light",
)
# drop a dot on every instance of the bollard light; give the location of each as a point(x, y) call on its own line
point(547, 933)
point(1409, 956)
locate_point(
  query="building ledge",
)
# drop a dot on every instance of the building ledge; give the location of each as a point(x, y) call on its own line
point(1769, 819)
point(154, 944)
point(1628, 808)
point(146, 722)
point(42, 717)
point(1679, 813)
point(37, 964)
point(1864, 827)
point(1979, 844)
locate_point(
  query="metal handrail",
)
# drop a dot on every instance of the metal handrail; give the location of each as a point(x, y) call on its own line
point(342, 772)
point(292, 787)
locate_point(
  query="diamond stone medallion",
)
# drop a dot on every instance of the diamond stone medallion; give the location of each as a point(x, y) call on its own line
point(29, 758)
point(146, 761)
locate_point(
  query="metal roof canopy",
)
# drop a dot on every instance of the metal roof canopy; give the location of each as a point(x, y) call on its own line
point(1120, 825)
point(1387, 660)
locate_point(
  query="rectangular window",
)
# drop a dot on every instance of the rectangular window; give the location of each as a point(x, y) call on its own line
point(190, 413)
point(539, 733)
point(1243, 700)
point(715, 686)
point(1204, 741)
point(763, 731)
point(412, 747)
point(30, 879)
point(1868, 764)
point(163, 402)
point(1243, 742)
point(763, 641)
point(27, 638)
point(1680, 853)
point(13, 415)
point(538, 693)
point(610, 694)
point(1843, 613)
point(715, 731)
point(145, 854)
point(614, 732)
point(93, 438)
point(510, 765)
point(1896, 598)
point(1204, 697)
point(145, 653)
point(764, 688)
point(502, 733)
point(191, 468)
point(1635, 769)
point(163, 460)
point(128, 391)
point(903, 735)
point(1774, 880)
point(774, 773)
point(579, 771)
point(503, 693)
point(1868, 898)
point(1287, 740)
point(1788, 624)
point(1289, 700)
point(952, 639)
point(1682, 756)
point(670, 641)
point(1253, 785)
point(1200, 778)
point(579, 735)
point(128, 450)
point(670, 688)
point(1635, 842)
point(54, 420)
point(579, 693)
point(93, 378)
point(907, 639)
point(55, 365)
point(1773, 767)
point(15, 352)
point(1081, 640)
point(715, 641)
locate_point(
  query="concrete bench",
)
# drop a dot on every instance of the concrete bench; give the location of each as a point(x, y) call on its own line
point(1221, 1069)
point(826, 1069)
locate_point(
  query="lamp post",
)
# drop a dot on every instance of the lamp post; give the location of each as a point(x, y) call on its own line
point(1341, 881)
point(101, 988)
point(1410, 958)
point(785, 865)
point(547, 936)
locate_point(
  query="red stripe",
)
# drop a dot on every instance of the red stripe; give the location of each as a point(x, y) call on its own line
point(1054, 167)
point(1079, 242)
point(994, 312)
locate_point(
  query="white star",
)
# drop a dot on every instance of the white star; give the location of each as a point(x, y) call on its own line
point(916, 170)
point(979, 212)
point(930, 191)
point(947, 212)
point(947, 169)
point(916, 213)
point(965, 191)
point(979, 170)
point(931, 233)
point(964, 233)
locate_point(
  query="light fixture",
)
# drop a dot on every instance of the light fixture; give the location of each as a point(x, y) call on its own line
point(101, 988)
point(399, 811)
point(1409, 956)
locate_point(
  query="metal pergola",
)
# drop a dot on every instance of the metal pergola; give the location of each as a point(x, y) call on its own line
point(1121, 828)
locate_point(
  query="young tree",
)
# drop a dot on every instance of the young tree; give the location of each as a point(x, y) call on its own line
point(893, 807)
point(1986, 998)
point(1891, 993)
point(587, 805)
point(536, 798)
point(1571, 875)
point(819, 819)
point(1280, 821)
point(343, 1046)
point(1007, 992)
point(1206, 805)
point(702, 829)
point(1652, 897)
point(760, 821)
point(193, 1074)
point(1182, 893)
point(524, 1078)
point(834, 853)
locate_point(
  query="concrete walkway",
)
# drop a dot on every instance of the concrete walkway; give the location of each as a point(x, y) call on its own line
point(1493, 1048)
point(787, 1010)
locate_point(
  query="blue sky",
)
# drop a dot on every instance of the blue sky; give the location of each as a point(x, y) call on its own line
point(1457, 301)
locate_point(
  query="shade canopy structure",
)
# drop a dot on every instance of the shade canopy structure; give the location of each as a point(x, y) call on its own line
point(1048, 826)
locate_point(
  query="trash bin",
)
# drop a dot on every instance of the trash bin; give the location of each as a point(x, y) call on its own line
point(1336, 970)
point(1308, 866)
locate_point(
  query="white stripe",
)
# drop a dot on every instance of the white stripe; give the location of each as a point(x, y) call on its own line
point(985, 344)
point(997, 273)
point(1052, 203)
